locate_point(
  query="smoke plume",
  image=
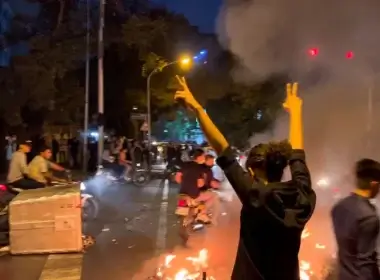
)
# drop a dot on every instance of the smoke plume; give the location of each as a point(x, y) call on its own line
point(274, 36)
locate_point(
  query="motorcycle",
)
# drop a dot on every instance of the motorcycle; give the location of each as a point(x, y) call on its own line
point(90, 203)
point(171, 171)
point(112, 175)
point(188, 210)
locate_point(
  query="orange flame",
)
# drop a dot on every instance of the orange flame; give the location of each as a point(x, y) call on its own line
point(181, 275)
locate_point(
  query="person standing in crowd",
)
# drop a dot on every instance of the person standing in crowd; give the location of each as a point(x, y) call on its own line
point(55, 148)
point(63, 149)
point(145, 155)
point(170, 155)
point(356, 225)
point(136, 154)
point(274, 213)
point(74, 150)
point(9, 150)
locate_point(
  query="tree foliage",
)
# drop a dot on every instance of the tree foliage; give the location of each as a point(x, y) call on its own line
point(49, 81)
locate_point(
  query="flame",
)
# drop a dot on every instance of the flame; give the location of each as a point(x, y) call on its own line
point(181, 275)
point(320, 246)
point(305, 233)
point(304, 275)
point(304, 269)
point(202, 257)
point(201, 260)
point(168, 260)
point(199, 263)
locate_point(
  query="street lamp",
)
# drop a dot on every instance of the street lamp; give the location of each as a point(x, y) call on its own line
point(185, 62)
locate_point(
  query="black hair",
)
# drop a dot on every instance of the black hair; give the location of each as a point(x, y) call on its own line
point(366, 171)
point(43, 148)
point(197, 153)
point(270, 159)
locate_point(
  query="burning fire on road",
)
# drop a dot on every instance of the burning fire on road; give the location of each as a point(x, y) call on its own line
point(193, 268)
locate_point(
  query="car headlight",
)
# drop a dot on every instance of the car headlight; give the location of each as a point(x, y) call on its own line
point(82, 186)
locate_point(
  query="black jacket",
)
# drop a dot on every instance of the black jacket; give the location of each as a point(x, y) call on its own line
point(272, 219)
point(356, 228)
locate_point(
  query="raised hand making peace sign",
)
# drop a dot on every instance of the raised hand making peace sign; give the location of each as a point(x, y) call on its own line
point(292, 101)
point(185, 94)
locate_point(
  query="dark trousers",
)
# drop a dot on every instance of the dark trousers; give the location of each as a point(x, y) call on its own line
point(74, 156)
point(27, 184)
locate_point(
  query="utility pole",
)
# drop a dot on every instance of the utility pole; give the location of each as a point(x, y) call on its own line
point(87, 88)
point(101, 81)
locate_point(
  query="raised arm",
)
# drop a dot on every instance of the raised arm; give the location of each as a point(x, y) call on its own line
point(293, 104)
point(242, 182)
point(215, 138)
point(298, 168)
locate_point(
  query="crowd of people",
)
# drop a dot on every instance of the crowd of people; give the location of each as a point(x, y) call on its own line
point(65, 150)
point(274, 213)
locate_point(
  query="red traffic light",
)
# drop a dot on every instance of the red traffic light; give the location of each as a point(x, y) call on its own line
point(349, 54)
point(313, 52)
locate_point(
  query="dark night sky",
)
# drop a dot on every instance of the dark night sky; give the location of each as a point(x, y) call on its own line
point(202, 13)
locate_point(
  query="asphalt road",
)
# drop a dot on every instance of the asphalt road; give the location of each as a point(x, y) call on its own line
point(136, 230)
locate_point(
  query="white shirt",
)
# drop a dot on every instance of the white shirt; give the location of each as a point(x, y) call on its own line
point(17, 167)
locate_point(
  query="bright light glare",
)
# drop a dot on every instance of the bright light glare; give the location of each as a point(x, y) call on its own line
point(82, 186)
point(350, 55)
point(324, 182)
point(185, 61)
point(313, 52)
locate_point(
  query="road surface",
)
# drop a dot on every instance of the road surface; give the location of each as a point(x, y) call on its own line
point(135, 232)
point(138, 228)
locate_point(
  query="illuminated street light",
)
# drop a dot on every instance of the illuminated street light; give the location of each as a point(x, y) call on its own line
point(184, 61)
point(350, 55)
point(313, 52)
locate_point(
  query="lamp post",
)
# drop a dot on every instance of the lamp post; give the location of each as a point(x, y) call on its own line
point(101, 81)
point(87, 88)
point(184, 61)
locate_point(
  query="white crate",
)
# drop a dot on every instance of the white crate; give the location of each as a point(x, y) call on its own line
point(46, 221)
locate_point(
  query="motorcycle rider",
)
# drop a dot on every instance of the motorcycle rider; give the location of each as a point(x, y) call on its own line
point(211, 183)
point(191, 178)
point(40, 165)
point(18, 169)
point(125, 165)
point(274, 213)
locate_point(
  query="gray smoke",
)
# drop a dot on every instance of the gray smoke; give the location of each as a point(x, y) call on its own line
point(274, 36)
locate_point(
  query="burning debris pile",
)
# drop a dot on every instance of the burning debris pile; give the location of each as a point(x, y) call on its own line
point(316, 263)
point(315, 267)
point(194, 268)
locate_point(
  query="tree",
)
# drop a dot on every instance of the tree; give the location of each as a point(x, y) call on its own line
point(247, 109)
